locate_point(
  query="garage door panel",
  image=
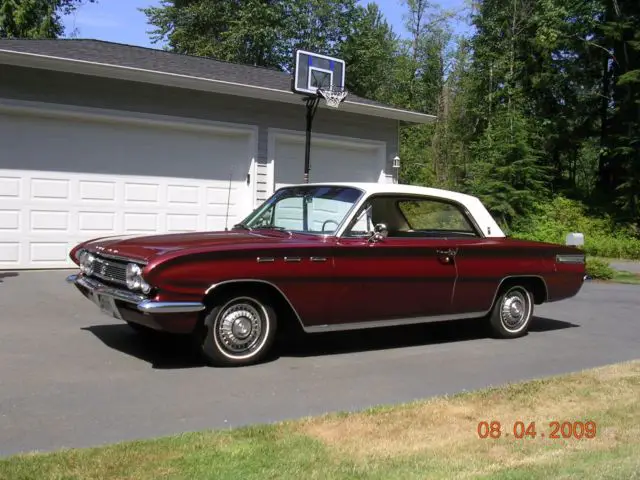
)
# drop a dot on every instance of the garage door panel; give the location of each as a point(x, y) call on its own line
point(63, 182)
point(76, 146)
point(328, 162)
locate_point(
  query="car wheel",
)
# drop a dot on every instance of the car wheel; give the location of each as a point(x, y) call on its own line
point(512, 312)
point(238, 331)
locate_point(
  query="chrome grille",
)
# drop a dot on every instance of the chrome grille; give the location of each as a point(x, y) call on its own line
point(110, 270)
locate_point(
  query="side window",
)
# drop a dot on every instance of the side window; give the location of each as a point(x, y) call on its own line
point(433, 216)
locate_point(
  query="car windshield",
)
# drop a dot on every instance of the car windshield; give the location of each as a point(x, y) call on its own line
point(304, 209)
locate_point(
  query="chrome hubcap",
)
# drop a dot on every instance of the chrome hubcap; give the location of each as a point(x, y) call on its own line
point(239, 327)
point(514, 310)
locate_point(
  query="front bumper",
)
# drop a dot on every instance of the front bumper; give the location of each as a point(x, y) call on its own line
point(136, 308)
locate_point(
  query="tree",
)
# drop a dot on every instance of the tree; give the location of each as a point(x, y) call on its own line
point(258, 32)
point(35, 18)
point(244, 31)
point(419, 74)
point(369, 51)
point(507, 170)
point(620, 175)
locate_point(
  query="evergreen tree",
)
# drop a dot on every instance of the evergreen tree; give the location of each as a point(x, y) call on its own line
point(35, 18)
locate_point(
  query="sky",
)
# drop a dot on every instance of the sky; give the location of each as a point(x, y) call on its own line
point(121, 21)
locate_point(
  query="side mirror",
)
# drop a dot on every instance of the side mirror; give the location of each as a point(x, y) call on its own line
point(380, 232)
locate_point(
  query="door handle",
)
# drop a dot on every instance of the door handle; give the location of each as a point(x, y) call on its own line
point(446, 255)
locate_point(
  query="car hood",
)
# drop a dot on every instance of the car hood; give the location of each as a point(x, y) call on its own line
point(146, 247)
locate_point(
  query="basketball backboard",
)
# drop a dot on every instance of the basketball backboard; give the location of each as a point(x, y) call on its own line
point(314, 71)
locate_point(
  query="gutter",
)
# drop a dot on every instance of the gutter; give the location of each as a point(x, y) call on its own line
point(120, 72)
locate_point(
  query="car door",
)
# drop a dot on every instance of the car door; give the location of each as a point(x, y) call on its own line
point(391, 279)
point(407, 275)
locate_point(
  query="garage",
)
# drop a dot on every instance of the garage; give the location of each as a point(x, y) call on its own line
point(333, 159)
point(67, 175)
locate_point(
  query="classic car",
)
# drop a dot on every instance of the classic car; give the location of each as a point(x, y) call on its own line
point(329, 257)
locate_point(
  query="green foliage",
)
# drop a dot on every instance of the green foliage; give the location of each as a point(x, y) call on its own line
point(507, 174)
point(598, 269)
point(553, 220)
point(257, 32)
point(34, 18)
point(245, 32)
point(369, 51)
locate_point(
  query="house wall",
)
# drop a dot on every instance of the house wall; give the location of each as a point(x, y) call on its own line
point(22, 83)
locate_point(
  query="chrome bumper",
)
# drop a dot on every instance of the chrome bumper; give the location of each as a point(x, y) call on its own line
point(143, 304)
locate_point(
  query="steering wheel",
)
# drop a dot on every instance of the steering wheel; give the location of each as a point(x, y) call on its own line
point(329, 221)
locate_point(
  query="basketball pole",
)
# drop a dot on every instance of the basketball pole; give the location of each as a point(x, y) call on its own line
point(312, 106)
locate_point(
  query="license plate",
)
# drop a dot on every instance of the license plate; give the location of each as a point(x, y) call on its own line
point(108, 306)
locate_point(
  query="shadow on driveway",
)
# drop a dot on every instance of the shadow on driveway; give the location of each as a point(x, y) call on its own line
point(165, 351)
point(4, 275)
point(161, 350)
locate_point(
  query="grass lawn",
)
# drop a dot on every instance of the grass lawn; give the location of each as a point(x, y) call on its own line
point(622, 276)
point(428, 439)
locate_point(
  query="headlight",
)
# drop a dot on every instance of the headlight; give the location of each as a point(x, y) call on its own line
point(134, 276)
point(135, 280)
point(86, 260)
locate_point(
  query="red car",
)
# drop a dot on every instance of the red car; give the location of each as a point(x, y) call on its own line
point(336, 256)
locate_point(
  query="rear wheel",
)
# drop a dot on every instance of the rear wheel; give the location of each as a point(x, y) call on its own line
point(238, 330)
point(512, 312)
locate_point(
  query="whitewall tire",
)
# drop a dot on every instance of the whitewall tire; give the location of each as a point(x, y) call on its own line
point(238, 330)
point(512, 312)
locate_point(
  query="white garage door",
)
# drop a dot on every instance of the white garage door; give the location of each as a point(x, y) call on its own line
point(64, 180)
point(331, 160)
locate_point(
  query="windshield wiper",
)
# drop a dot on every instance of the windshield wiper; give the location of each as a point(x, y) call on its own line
point(270, 227)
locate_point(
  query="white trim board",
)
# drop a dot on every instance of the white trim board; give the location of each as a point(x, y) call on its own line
point(121, 72)
point(104, 115)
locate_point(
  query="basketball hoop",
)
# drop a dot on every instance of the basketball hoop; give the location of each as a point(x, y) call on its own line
point(333, 96)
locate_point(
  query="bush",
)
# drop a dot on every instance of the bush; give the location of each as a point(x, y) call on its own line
point(599, 269)
point(603, 238)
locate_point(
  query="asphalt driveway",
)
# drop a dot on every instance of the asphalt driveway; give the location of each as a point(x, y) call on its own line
point(71, 377)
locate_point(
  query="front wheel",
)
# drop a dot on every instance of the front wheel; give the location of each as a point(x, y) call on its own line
point(238, 331)
point(512, 312)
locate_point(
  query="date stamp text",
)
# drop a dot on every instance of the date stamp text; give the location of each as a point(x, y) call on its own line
point(494, 429)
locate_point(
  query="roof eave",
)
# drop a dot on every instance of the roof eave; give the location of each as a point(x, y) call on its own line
point(120, 72)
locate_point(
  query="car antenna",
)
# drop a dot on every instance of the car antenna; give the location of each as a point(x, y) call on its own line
point(226, 216)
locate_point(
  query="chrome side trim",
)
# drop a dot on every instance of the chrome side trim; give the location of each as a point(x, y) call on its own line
point(142, 303)
point(570, 258)
point(380, 323)
point(318, 259)
point(151, 306)
point(265, 259)
point(292, 259)
point(392, 322)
